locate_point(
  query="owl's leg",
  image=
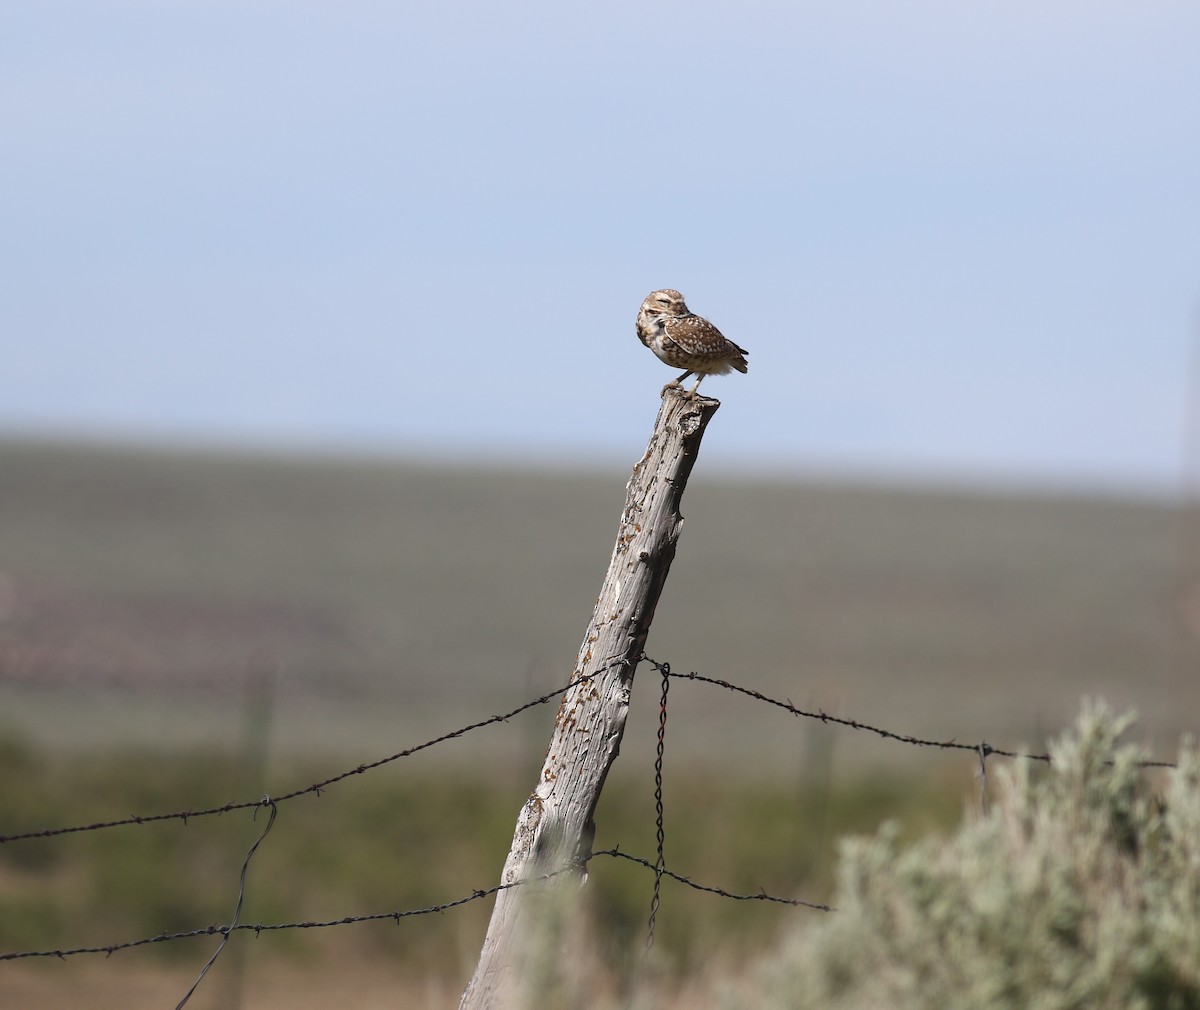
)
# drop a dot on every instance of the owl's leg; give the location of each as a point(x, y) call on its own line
point(676, 382)
point(699, 379)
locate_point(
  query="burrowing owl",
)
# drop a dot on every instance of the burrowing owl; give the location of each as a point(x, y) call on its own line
point(685, 340)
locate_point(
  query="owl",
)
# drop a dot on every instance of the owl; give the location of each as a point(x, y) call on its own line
point(683, 339)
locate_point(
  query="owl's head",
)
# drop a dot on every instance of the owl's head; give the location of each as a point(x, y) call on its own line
point(664, 302)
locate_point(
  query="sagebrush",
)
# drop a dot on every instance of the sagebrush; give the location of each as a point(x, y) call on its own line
point(1079, 888)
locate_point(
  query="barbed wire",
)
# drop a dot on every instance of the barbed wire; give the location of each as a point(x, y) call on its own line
point(256, 928)
point(982, 748)
point(680, 878)
point(263, 927)
point(109, 949)
point(315, 788)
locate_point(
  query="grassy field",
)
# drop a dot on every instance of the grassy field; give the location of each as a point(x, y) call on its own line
point(398, 839)
point(180, 629)
point(374, 600)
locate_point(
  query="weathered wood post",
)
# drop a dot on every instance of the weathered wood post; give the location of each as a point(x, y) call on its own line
point(555, 827)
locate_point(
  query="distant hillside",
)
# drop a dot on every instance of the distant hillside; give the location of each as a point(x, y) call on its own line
point(382, 598)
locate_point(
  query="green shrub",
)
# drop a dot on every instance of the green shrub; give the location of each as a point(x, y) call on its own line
point(1079, 889)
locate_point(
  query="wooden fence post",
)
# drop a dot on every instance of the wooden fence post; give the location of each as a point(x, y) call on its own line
point(555, 827)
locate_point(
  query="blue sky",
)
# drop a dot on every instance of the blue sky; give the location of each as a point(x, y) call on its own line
point(960, 241)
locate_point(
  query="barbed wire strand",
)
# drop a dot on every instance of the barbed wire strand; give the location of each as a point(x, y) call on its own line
point(660, 836)
point(266, 801)
point(315, 788)
point(261, 927)
point(397, 915)
point(825, 717)
point(679, 878)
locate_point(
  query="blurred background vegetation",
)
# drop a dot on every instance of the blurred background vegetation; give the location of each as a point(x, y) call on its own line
point(185, 629)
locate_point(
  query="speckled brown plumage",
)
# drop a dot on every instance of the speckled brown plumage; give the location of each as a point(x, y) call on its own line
point(685, 340)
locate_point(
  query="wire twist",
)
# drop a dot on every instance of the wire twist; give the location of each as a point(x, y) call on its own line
point(660, 835)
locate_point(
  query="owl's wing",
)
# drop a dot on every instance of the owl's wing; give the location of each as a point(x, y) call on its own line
point(696, 335)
